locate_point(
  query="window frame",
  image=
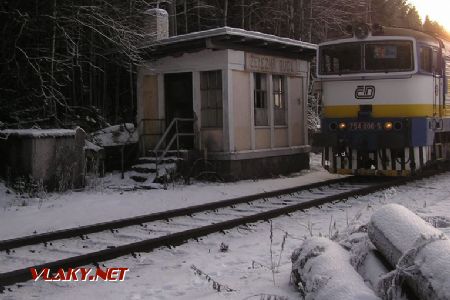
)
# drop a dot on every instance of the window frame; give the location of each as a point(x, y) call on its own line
point(261, 99)
point(281, 92)
point(390, 42)
point(322, 59)
point(422, 59)
point(363, 70)
point(213, 102)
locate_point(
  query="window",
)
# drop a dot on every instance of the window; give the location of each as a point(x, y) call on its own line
point(260, 93)
point(436, 63)
point(211, 99)
point(279, 100)
point(340, 59)
point(425, 59)
point(429, 61)
point(389, 57)
point(352, 58)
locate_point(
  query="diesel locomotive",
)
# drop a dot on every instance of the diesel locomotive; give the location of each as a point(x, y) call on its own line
point(385, 101)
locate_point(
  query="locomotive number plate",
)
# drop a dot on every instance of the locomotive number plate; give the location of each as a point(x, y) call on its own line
point(365, 126)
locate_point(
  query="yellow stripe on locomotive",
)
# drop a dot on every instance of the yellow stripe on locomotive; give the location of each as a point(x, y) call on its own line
point(381, 111)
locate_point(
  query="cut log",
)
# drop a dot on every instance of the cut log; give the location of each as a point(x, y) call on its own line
point(420, 252)
point(364, 257)
point(372, 269)
point(321, 268)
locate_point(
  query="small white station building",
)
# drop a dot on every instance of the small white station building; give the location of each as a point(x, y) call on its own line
point(239, 96)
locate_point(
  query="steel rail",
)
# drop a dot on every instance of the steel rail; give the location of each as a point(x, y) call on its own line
point(178, 238)
point(98, 227)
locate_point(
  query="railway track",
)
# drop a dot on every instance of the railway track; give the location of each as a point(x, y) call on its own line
point(104, 241)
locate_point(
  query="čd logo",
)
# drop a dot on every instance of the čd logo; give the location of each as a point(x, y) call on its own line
point(365, 92)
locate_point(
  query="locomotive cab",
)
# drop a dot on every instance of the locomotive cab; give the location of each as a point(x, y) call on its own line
point(385, 100)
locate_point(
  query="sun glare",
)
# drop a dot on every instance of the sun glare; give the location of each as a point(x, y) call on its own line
point(437, 10)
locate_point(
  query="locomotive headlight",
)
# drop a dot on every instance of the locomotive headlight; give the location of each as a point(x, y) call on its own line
point(333, 126)
point(388, 126)
point(398, 125)
point(342, 126)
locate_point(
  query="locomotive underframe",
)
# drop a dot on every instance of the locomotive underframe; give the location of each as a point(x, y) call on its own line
point(367, 148)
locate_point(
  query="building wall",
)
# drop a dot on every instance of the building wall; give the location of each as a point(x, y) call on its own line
point(281, 136)
point(212, 140)
point(58, 161)
point(239, 133)
point(151, 104)
point(262, 138)
point(152, 126)
point(297, 104)
point(246, 135)
point(242, 111)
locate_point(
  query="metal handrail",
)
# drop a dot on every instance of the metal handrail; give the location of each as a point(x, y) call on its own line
point(175, 137)
point(164, 136)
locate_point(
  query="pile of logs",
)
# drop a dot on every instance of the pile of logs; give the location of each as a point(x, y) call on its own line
point(418, 253)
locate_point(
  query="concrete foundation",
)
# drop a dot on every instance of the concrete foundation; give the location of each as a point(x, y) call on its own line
point(265, 167)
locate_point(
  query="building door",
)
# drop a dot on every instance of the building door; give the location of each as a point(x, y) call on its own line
point(179, 103)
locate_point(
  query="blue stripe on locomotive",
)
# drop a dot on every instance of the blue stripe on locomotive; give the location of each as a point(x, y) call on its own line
point(415, 132)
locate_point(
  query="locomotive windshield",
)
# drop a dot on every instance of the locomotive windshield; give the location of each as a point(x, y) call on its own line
point(368, 57)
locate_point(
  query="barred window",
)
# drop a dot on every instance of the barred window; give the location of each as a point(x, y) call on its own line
point(260, 93)
point(211, 99)
point(279, 100)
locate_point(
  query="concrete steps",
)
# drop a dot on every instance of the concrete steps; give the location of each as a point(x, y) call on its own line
point(149, 170)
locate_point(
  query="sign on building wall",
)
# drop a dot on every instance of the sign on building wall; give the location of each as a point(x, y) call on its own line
point(272, 64)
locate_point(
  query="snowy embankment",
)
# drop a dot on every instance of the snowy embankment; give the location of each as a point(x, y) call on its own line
point(420, 252)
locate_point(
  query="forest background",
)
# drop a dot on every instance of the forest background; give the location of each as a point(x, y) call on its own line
point(73, 62)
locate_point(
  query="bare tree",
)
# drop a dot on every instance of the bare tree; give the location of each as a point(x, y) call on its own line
point(73, 62)
point(56, 56)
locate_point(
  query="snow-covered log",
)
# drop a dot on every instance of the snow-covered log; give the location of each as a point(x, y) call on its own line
point(321, 268)
point(420, 252)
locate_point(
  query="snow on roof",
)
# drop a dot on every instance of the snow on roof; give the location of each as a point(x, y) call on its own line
point(235, 32)
point(37, 133)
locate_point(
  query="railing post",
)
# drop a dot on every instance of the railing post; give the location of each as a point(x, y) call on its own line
point(178, 139)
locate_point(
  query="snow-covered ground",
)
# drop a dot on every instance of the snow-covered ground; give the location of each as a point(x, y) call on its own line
point(246, 267)
point(21, 216)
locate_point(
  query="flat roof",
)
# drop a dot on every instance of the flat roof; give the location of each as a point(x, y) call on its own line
point(37, 133)
point(229, 38)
